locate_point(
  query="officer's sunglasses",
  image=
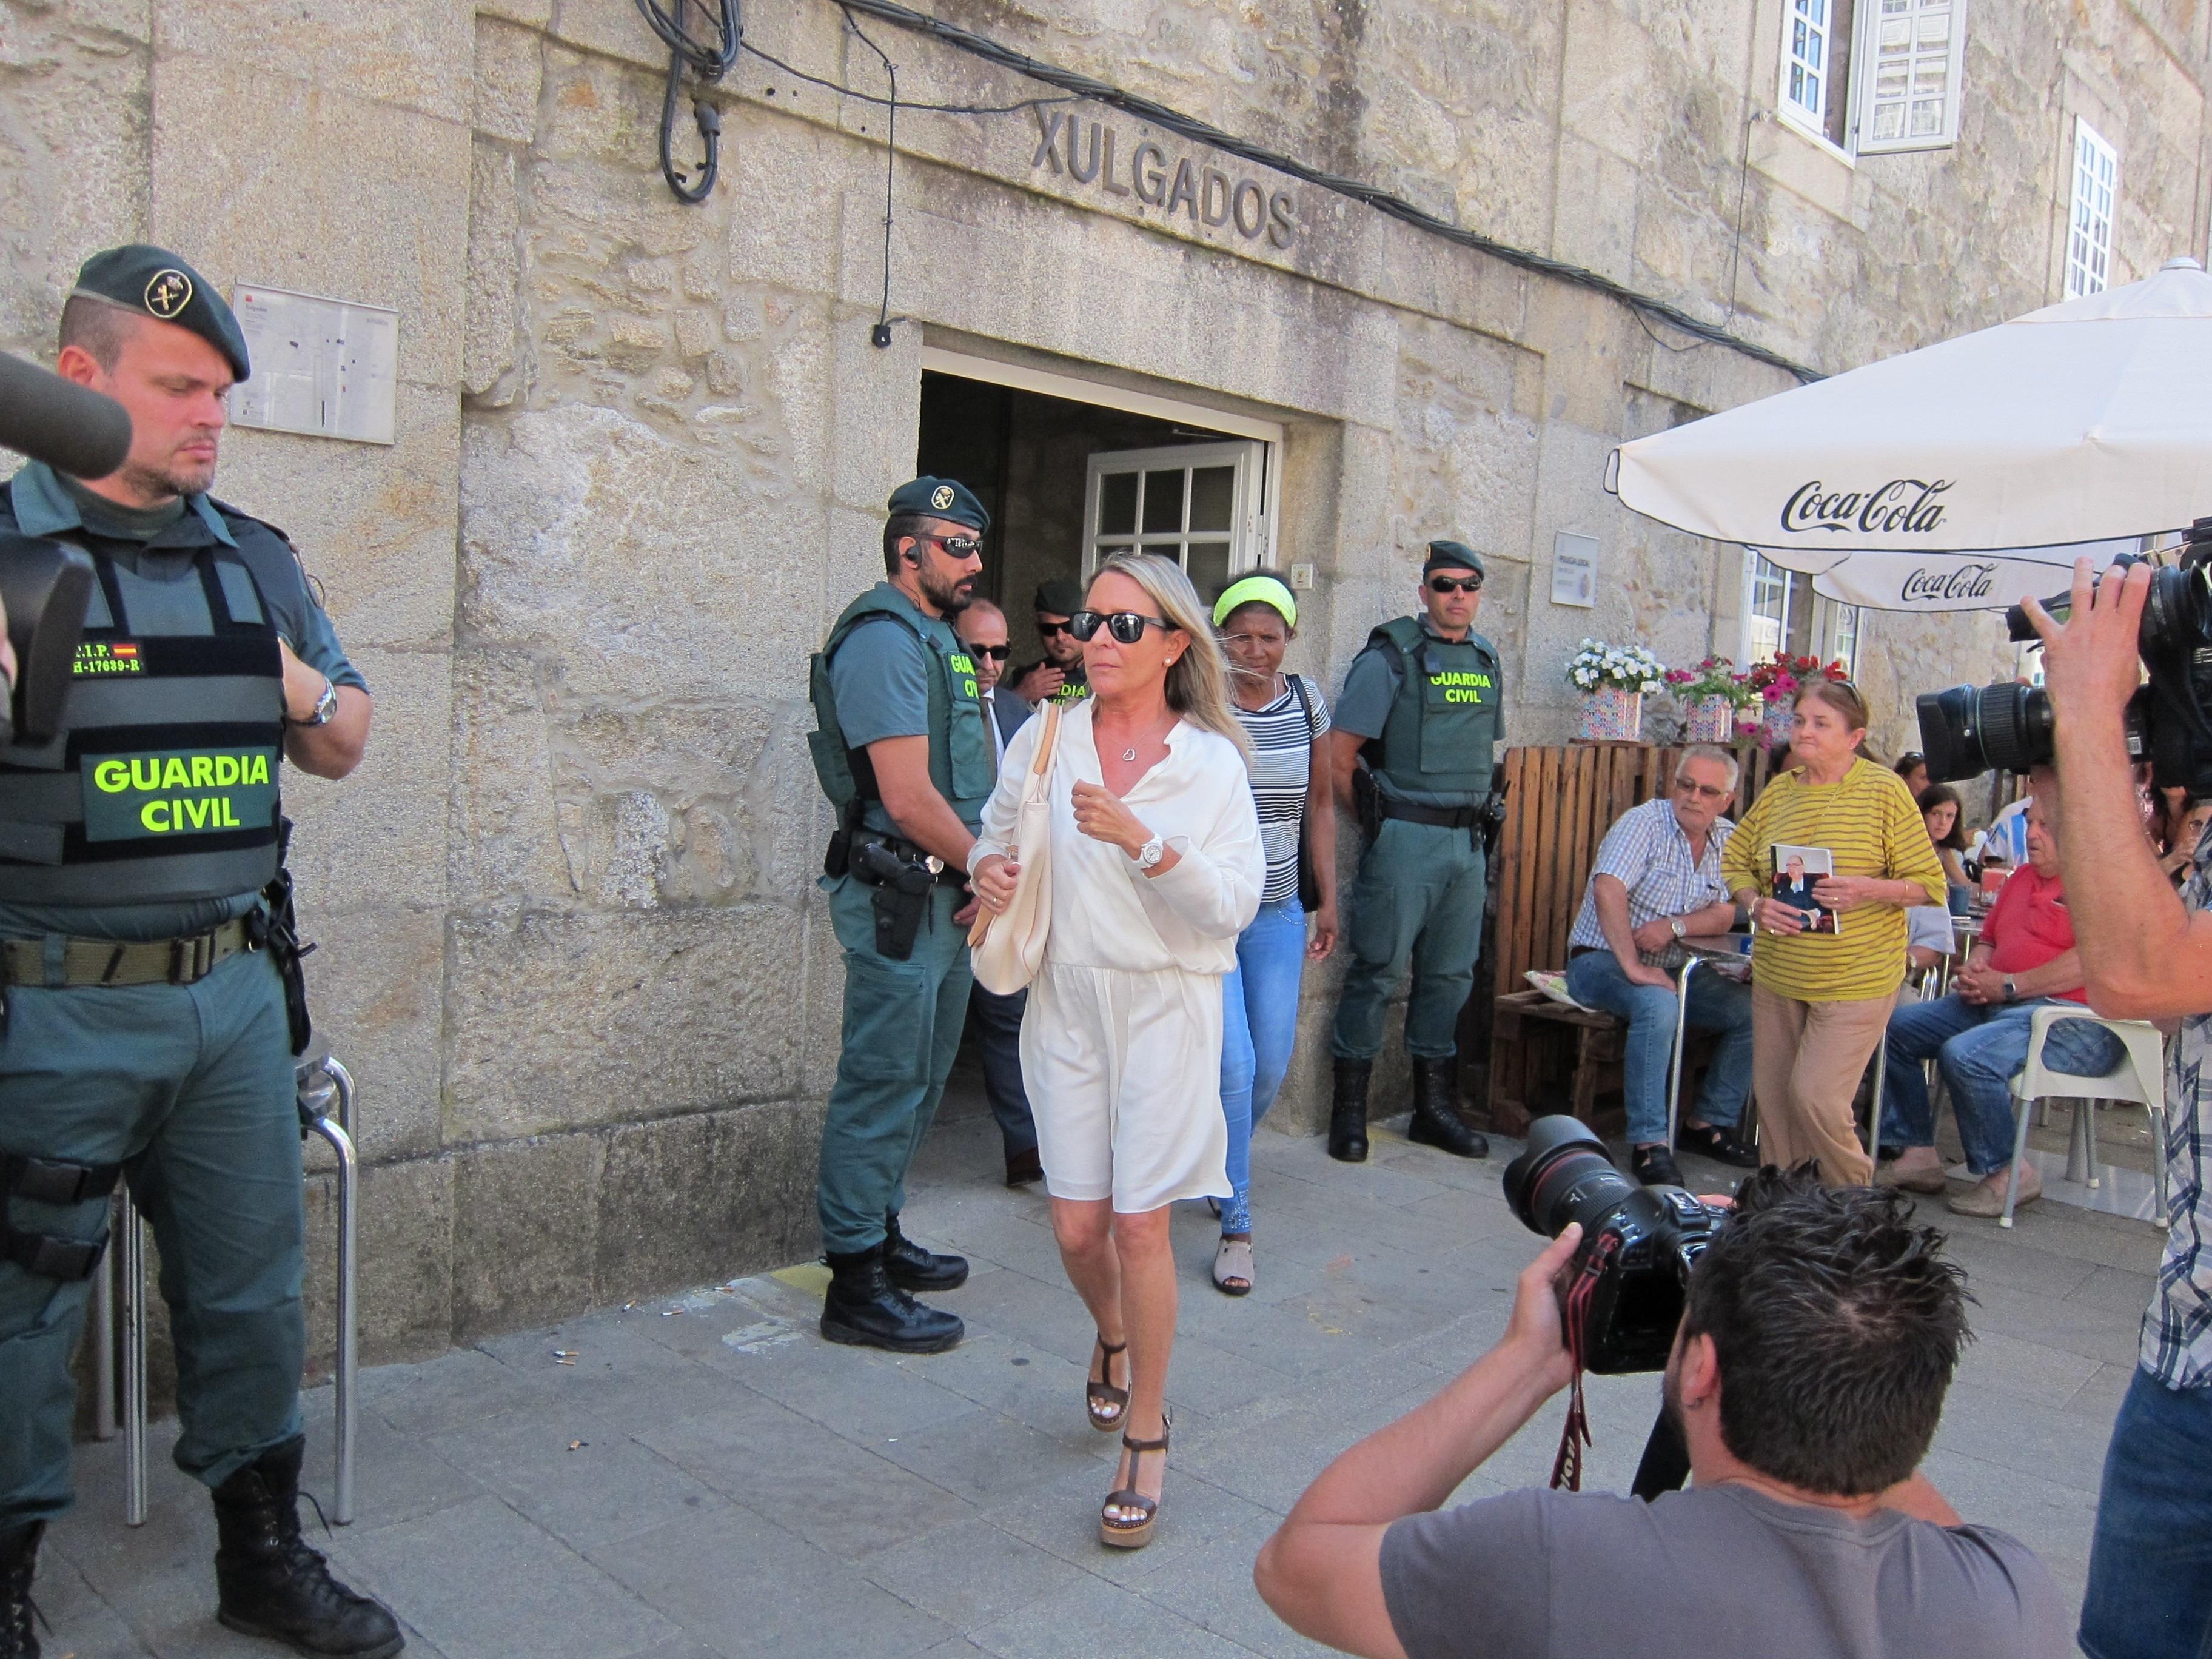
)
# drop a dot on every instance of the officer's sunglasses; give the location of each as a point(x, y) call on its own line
point(995, 653)
point(1126, 626)
point(960, 547)
point(1455, 584)
point(1048, 630)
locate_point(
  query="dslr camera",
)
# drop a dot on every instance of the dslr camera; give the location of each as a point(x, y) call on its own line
point(1620, 1295)
point(2007, 728)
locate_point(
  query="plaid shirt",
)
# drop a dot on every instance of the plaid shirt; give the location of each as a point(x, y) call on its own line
point(1648, 853)
point(2177, 1333)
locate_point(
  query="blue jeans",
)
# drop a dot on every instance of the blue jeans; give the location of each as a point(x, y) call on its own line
point(1980, 1050)
point(1595, 980)
point(1259, 1024)
point(2150, 1562)
point(998, 1022)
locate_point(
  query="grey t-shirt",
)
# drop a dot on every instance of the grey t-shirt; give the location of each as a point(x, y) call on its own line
point(1719, 1572)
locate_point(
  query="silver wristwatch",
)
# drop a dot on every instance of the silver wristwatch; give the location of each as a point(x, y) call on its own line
point(1151, 852)
point(1675, 922)
point(325, 706)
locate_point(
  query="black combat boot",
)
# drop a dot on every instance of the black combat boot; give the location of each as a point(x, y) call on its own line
point(865, 1309)
point(910, 1268)
point(19, 1557)
point(1436, 1111)
point(270, 1583)
point(1347, 1114)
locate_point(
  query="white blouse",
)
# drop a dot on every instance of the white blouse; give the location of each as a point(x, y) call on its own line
point(1107, 913)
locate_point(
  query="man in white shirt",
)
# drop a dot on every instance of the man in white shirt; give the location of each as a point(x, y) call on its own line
point(998, 1019)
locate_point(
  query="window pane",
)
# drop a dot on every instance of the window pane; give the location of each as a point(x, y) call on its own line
point(1207, 566)
point(1164, 500)
point(1213, 496)
point(1117, 503)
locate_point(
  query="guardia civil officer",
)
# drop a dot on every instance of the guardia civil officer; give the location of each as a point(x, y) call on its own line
point(902, 752)
point(1413, 749)
point(147, 1034)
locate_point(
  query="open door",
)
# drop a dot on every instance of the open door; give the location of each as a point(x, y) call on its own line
point(1204, 506)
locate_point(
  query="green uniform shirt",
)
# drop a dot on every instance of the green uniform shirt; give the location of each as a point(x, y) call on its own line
point(1371, 692)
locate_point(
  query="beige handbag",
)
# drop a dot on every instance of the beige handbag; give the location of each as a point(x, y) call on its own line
point(1007, 949)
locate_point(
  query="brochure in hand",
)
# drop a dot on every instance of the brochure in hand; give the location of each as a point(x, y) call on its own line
point(1797, 869)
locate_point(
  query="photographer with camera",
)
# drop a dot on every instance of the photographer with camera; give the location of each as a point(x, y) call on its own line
point(1817, 1335)
point(2146, 954)
point(153, 1008)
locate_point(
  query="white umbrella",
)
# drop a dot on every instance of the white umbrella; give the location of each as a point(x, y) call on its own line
point(2085, 421)
point(1887, 580)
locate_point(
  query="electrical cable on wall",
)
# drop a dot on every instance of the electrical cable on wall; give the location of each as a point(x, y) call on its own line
point(880, 335)
point(709, 60)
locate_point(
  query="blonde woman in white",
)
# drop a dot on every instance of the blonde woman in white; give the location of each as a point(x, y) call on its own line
point(1157, 867)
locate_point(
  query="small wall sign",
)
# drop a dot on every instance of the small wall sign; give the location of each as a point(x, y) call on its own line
point(326, 367)
point(1574, 569)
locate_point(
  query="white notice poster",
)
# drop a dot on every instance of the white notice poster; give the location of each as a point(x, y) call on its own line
point(1574, 569)
point(327, 368)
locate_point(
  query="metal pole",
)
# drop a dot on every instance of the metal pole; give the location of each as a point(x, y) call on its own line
point(103, 1335)
point(1681, 1030)
point(134, 1366)
point(340, 1136)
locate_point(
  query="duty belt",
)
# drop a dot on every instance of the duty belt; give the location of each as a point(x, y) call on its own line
point(950, 875)
point(115, 962)
point(1449, 817)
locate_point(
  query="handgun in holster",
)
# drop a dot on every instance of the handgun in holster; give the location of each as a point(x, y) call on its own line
point(1366, 803)
point(1493, 815)
point(275, 928)
point(901, 898)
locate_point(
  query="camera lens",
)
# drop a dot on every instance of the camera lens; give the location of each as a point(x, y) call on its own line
point(1967, 730)
point(1566, 1174)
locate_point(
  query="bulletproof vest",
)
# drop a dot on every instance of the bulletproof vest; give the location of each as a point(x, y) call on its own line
point(960, 760)
point(1071, 691)
point(162, 784)
point(1443, 729)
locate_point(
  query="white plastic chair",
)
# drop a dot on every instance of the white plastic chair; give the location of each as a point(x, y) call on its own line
point(2140, 1076)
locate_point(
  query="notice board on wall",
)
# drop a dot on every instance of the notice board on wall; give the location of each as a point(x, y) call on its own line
point(326, 367)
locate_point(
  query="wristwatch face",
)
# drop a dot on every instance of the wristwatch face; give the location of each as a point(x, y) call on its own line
point(1150, 854)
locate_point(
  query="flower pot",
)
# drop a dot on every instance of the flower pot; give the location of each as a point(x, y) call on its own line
point(1611, 713)
point(1775, 728)
point(1709, 719)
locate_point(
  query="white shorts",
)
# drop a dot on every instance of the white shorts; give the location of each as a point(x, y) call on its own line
point(1123, 1072)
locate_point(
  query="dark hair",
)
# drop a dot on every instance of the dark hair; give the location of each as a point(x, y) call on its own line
point(95, 326)
point(896, 529)
point(1836, 1324)
point(1909, 762)
point(1943, 794)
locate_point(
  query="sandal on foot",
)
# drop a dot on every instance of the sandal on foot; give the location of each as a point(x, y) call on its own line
point(1132, 1534)
point(1104, 1402)
point(1232, 1267)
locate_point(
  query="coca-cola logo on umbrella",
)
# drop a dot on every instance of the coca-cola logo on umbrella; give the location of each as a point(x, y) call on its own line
point(1959, 581)
point(1902, 506)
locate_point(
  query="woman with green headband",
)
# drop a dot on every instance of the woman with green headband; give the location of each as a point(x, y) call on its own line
point(1285, 718)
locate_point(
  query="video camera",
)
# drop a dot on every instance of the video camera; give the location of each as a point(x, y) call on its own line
point(2007, 728)
point(1620, 1295)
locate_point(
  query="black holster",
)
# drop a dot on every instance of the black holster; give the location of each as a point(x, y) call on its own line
point(901, 898)
point(1366, 803)
point(1493, 816)
point(838, 859)
point(52, 1180)
point(279, 935)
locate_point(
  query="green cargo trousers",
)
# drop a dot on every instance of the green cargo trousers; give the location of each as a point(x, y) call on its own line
point(1418, 899)
point(902, 1022)
point(191, 1089)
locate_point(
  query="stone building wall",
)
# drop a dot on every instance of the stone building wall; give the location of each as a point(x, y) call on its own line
point(571, 944)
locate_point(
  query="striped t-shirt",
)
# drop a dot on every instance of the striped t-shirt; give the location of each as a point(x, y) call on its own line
point(1282, 755)
point(1867, 820)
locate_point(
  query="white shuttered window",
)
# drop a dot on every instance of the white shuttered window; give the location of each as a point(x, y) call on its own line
point(1805, 57)
point(2089, 225)
point(1908, 74)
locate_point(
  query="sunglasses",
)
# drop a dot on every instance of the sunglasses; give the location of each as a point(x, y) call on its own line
point(1126, 626)
point(995, 653)
point(960, 547)
point(1048, 630)
point(1705, 791)
point(1455, 584)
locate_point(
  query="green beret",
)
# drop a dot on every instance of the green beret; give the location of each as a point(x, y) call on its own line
point(1060, 597)
point(154, 282)
point(940, 498)
point(1452, 555)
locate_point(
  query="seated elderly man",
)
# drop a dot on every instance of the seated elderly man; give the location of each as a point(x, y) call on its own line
point(1979, 1037)
point(1657, 880)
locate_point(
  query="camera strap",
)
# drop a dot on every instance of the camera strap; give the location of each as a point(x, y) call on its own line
point(1574, 1433)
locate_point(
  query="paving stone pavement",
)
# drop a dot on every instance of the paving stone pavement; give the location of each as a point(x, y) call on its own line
point(709, 1478)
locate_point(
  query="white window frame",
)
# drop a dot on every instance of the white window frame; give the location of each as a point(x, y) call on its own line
point(1834, 630)
point(2093, 206)
point(1248, 532)
point(1897, 32)
point(1872, 21)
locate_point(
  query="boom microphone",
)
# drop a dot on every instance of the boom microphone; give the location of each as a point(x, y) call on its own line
point(70, 427)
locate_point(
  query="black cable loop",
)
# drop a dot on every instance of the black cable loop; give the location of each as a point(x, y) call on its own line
point(709, 62)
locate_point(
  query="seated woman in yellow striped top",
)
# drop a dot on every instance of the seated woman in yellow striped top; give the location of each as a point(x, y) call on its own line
point(1818, 1001)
